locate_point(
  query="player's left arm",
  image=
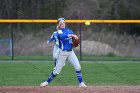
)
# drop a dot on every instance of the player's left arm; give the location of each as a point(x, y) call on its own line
point(72, 35)
point(75, 40)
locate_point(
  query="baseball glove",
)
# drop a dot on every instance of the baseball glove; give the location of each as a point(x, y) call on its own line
point(76, 41)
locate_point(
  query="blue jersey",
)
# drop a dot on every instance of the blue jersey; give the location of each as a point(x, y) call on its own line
point(54, 37)
point(65, 42)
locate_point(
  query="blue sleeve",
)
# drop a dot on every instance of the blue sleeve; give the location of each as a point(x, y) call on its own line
point(56, 37)
point(51, 38)
point(62, 35)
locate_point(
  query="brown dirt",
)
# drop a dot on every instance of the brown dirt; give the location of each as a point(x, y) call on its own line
point(70, 89)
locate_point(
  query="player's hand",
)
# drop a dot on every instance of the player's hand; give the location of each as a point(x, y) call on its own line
point(57, 43)
point(71, 35)
point(48, 42)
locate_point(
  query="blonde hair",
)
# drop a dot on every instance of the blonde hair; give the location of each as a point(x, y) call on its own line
point(57, 27)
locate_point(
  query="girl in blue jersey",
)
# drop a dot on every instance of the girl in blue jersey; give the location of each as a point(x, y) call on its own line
point(66, 52)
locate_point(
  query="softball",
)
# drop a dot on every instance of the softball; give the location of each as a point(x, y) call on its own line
point(87, 23)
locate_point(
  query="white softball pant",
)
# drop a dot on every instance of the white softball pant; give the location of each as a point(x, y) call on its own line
point(55, 52)
point(62, 56)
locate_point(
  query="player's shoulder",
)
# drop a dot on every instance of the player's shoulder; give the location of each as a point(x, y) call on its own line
point(59, 32)
point(66, 29)
point(70, 31)
point(54, 32)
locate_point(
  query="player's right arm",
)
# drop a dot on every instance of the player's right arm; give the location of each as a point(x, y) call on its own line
point(50, 39)
point(56, 38)
point(63, 35)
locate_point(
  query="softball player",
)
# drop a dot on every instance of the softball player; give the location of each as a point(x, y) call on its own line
point(66, 52)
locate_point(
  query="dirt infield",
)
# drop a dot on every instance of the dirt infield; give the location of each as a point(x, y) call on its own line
point(70, 89)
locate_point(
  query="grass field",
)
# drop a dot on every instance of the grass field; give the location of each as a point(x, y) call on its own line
point(84, 58)
point(94, 73)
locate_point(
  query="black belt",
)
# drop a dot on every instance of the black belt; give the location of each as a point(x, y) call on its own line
point(66, 50)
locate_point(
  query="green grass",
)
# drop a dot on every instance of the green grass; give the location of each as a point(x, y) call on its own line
point(115, 74)
point(109, 58)
point(94, 73)
point(84, 58)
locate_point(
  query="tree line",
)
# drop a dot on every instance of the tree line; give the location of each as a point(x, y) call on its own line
point(74, 9)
